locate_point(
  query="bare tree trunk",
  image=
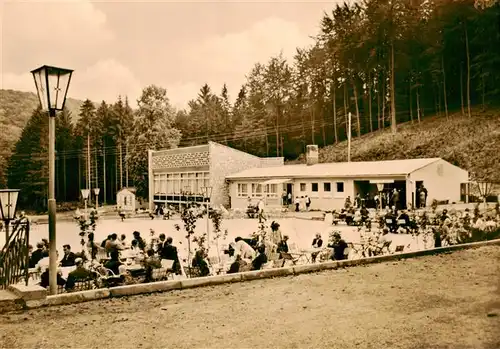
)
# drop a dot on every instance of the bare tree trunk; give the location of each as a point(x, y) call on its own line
point(444, 88)
point(323, 131)
point(418, 104)
point(267, 142)
point(126, 163)
point(384, 95)
point(468, 69)
point(483, 91)
point(411, 102)
point(64, 178)
point(96, 170)
point(358, 122)
point(311, 110)
point(335, 112)
point(370, 104)
point(394, 127)
point(378, 108)
point(104, 170)
point(345, 106)
point(121, 164)
point(462, 104)
point(79, 173)
point(277, 132)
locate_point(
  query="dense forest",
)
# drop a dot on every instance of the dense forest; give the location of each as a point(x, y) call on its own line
point(383, 61)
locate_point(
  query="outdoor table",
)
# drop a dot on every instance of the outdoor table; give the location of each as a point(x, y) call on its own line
point(135, 269)
point(65, 271)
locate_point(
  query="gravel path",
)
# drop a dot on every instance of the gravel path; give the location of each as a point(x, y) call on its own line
point(444, 301)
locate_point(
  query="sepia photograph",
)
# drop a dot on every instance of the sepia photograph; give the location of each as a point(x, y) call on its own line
point(250, 173)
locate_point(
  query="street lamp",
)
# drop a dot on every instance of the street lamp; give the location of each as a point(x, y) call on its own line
point(52, 87)
point(96, 192)
point(8, 203)
point(85, 196)
point(207, 193)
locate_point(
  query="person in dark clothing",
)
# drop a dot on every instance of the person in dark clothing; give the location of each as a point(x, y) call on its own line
point(437, 237)
point(44, 279)
point(339, 245)
point(261, 259)
point(140, 242)
point(114, 263)
point(200, 263)
point(236, 265)
point(151, 262)
point(69, 257)
point(169, 251)
point(282, 245)
point(317, 243)
point(103, 243)
point(37, 255)
point(78, 275)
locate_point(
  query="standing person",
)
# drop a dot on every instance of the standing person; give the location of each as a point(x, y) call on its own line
point(289, 199)
point(297, 204)
point(423, 196)
point(395, 198)
point(284, 198)
point(261, 207)
point(308, 202)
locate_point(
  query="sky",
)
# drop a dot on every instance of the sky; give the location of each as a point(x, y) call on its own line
point(119, 47)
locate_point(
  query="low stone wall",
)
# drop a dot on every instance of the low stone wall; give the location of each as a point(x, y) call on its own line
point(35, 297)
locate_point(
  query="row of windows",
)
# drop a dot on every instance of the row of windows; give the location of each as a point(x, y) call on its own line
point(256, 190)
point(327, 187)
point(178, 183)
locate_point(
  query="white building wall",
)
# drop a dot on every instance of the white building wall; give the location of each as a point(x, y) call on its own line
point(320, 200)
point(225, 161)
point(441, 179)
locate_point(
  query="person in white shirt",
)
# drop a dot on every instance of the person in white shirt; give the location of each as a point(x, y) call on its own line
point(243, 249)
point(261, 207)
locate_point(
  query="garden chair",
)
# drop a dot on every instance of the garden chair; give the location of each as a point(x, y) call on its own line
point(289, 257)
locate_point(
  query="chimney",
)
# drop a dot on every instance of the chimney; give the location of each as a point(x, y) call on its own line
point(312, 155)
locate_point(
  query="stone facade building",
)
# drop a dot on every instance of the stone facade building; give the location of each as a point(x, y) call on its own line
point(179, 175)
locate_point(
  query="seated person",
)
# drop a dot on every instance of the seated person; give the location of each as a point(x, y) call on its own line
point(364, 213)
point(317, 243)
point(283, 245)
point(261, 259)
point(237, 265)
point(404, 217)
point(44, 279)
point(78, 275)
point(37, 255)
point(169, 251)
point(69, 257)
point(114, 263)
point(243, 249)
point(150, 262)
point(339, 245)
point(200, 263)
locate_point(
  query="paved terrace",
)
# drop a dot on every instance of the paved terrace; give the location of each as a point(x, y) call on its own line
point(442, 301)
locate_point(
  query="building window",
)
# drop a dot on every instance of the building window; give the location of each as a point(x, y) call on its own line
point(242, 190)
point(176, 183)
point(327, 187)
point(302, 187)
point(314, 187)
point(157, 184)
point(340, 187)
point(272, 190)
point(256, 190)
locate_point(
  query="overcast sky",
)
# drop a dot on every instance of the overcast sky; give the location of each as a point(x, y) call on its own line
point(119, 47)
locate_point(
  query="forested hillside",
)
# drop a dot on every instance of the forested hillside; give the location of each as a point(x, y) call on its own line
point(385, 62)
point(470, 143)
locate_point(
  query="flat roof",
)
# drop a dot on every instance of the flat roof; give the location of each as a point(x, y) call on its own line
point(338, 169)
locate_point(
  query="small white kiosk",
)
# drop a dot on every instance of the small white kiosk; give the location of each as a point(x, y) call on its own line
point(125, 200)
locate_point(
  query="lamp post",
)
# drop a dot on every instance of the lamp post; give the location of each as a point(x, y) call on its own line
point(52, 87)
point(96, 192)
point(85, 196)
point(207, 193)
point(8, 203)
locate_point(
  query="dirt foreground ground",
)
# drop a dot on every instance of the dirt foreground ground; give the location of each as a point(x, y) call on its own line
point(444, 301)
